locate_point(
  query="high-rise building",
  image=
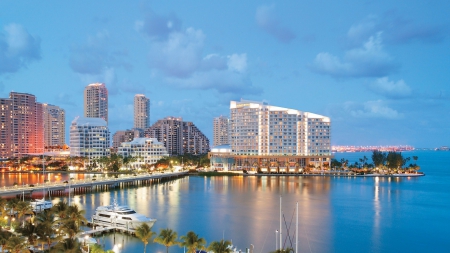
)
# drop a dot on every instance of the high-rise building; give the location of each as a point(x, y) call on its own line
point(27, 129)
point(141, 111)
point(89, 137)
point(96, 101)
point(126, 136)
point(221, 131)
point(6, 112)
point(178, 136)
point(54, 126)
point(268, 136)
point(145, 150)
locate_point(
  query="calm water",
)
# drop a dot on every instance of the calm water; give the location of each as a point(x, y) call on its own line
point(335, 214)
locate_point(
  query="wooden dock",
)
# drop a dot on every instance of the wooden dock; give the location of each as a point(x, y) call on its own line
point(82, 186)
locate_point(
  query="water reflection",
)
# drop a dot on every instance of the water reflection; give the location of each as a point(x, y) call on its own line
point(335, 214)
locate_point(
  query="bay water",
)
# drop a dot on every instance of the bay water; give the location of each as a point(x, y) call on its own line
point(336, 214)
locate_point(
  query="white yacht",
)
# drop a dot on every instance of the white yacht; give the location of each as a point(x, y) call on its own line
point(40, 205)
point(119, 217)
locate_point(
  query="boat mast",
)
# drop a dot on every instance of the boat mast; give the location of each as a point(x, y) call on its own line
point(296, 232)
point(281, 241)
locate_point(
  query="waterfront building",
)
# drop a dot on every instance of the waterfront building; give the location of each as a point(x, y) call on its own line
point(89, 137)
point(221, 133)
point(54, 126)
point(145, 150)
point(126, 136)
point(96, 101)
point(27, 130)
point(178, 136)
point(272, 138)
point(6, 112)
point(141, 111)
point(221, 158)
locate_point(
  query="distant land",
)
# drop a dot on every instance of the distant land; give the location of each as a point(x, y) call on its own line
point(382, 148)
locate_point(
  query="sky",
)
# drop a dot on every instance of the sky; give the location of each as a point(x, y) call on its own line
point(378, 69)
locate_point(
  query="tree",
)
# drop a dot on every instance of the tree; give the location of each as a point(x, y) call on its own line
point(335, 163)
point(17, 244)
point(145, 233)
point(44, 228)
point(4, 237)
point(69, 245)
point(221, 246)
point(70, 228)
point(379, 158)
point(75, 214)
point(60, 209)
point(11, 205)
point(192, 242)
point(167, 237)
point(29, 231)
point(23, 208)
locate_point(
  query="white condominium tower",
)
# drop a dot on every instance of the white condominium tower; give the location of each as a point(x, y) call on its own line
point(277, 136)
point(89, 137)
point(221, 131)
point(54, 125)
point(96, 101)
point(141, 111)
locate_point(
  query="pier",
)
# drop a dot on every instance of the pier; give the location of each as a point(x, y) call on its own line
point(87, 185)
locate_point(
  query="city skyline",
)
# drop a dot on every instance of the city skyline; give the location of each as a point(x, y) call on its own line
point(377, 69)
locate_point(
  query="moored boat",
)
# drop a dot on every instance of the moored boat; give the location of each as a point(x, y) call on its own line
point(120, 217)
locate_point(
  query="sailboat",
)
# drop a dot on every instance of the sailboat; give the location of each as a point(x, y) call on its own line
point(40, 205)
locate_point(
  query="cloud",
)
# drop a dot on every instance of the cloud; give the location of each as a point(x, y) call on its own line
point(269, 22)
point(158, 27)
point(396, 30)
point(372, 109)
point(180, 55)
point(391, 89)
point(224, 81)
point(370, 60)
point(17, 48)
point(95, 56)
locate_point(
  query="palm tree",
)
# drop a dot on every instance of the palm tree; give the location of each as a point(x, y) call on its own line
point(69, 245)
point(44, 228)
point(29, 231)
point(16, 244)
point(4, 237)
point(11, 205)
point(70, 228)
point(192, 242)
point(23, 208)
point(145, 233)
point(167, 237)
point(74, 213)
point(220, 247)
point(46, 234)
point(60, 209)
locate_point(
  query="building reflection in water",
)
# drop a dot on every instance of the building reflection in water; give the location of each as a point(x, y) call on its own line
point(246, 209)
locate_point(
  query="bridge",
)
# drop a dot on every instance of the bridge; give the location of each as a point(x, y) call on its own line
point(85, 185)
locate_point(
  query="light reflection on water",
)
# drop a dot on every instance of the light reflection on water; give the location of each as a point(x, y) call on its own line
point(335, 214)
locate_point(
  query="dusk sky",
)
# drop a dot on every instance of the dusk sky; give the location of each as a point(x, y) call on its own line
point(379, 69)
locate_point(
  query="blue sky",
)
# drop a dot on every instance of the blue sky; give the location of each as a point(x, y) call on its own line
point(379, 69)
